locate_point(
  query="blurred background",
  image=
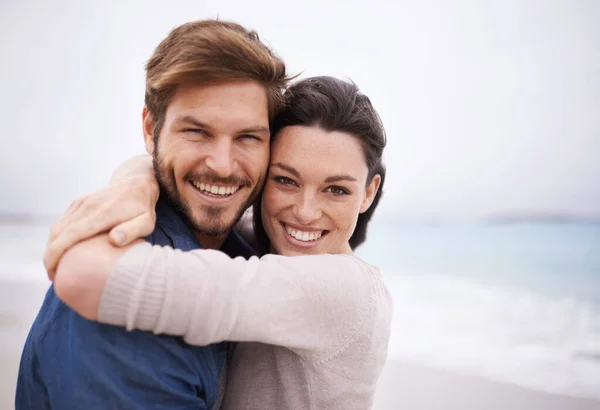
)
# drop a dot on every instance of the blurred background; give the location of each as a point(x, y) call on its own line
point(489, 231)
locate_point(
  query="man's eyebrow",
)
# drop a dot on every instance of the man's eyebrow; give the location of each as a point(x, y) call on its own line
point(287, 168)
point(338, 178)
point(188, 119)
point(258, 129)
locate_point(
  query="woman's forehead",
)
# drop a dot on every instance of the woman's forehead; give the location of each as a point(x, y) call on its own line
point(313, 150)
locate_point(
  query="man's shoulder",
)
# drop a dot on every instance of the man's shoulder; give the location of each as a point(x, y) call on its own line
point(51, 311)
point(56, 323)
point(159, 237)
point(104, 363)
point(59, 338)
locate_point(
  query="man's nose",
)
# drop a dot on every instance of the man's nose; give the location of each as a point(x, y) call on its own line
point(220, 159)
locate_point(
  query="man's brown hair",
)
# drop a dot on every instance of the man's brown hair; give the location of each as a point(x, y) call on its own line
point(211, 52)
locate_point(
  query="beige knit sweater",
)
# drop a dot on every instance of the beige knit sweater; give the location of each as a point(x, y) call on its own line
point(316, 327)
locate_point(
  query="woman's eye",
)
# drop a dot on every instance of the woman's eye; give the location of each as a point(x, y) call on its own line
point(284, 180)
point(338, 190)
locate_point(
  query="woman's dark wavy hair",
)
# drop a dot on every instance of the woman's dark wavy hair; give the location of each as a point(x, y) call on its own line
point(332, 105)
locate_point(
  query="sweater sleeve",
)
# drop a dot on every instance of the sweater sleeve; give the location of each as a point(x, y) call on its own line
point(306, 303)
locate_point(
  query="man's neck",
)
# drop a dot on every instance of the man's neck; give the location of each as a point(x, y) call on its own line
point(210, 242)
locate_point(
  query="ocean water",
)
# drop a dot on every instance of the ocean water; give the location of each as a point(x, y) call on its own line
point(517, 303)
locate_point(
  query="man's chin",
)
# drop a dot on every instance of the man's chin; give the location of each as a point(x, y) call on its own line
point(212, 230)
point(217, 227)
point(214, 220)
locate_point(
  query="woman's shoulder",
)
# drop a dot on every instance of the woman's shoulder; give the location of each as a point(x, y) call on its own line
point(381, 298)
point(347, 265)
point(340, 271)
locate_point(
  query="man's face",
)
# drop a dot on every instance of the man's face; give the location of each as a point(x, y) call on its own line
point(212, 153)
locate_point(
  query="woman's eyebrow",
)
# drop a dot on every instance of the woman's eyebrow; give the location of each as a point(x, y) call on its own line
point(287, 168)
point(338, 178)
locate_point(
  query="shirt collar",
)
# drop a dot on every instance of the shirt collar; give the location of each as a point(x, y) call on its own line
point(173, 224)
point(182, 236)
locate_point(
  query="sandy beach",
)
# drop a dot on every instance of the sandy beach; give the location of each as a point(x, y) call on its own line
point(402, 385)
point(408, 386)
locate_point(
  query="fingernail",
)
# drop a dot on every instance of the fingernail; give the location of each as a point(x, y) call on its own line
point(119, 237)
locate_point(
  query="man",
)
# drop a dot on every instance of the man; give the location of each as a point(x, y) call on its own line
point(211, 89)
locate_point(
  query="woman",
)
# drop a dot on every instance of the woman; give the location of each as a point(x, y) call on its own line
point(315, 327)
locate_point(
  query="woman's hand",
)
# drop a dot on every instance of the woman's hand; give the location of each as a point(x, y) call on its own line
point(126, 209)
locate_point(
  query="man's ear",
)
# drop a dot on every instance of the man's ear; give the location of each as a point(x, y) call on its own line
point(148, 129)
point(370, 193)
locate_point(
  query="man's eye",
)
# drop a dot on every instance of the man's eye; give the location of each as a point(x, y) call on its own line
point(250, 137)
point(194, 130)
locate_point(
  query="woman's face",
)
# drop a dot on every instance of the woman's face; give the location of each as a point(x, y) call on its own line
point(315, 190)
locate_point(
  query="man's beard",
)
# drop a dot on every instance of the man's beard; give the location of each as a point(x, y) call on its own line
point(213, 225)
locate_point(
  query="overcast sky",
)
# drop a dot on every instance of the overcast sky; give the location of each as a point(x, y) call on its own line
point(488, 108)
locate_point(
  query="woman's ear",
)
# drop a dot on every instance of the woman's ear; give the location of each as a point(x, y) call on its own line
point(370, 193)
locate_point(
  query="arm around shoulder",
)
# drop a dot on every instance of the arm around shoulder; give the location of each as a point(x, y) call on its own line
point(306, 303)
point(82, 273)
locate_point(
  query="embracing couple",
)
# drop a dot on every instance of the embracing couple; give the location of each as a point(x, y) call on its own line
point(167, 294)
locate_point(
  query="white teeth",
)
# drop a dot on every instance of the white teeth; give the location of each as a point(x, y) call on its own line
point(303, 236)
point(216, 190)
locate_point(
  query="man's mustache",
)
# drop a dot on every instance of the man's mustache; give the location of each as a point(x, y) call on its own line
point(212, 179)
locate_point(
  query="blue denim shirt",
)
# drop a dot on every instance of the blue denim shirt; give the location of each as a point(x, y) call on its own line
point(70, 363)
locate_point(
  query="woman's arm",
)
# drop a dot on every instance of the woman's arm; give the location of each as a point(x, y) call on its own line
point(138, 166)
point(82, 272)
point(306, 303)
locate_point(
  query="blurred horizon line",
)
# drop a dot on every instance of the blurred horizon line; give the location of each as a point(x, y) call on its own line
point(493, 218)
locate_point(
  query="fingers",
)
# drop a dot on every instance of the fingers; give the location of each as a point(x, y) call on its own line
point(85, 224)
point(77, 225)
point(58, 225)
point(51, 257)
point(137, 228)
point(96, 213)
point(81, 208)
point(79, 230)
